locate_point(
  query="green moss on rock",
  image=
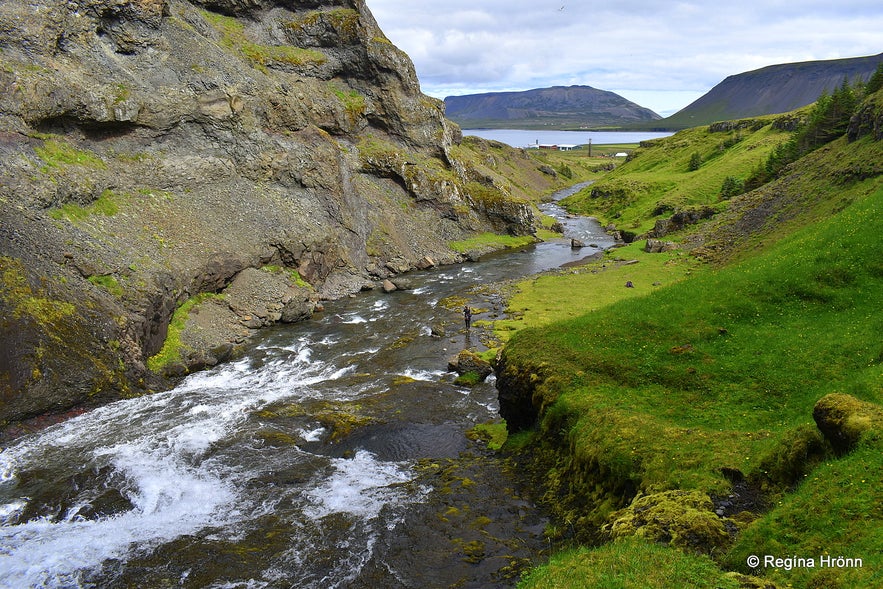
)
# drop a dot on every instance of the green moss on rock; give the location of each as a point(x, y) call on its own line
point(630, 562)
point(24, 300)
point(843, 419)
point(106, 204)
point(57, 153)
point(170, 353)
point(684, 519)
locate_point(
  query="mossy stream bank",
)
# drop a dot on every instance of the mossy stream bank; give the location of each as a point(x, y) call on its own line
point(733, 412)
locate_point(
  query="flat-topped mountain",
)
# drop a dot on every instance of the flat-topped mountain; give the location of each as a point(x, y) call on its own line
point(771, 90)
point(560, 107)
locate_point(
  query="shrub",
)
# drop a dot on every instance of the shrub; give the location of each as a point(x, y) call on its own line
point(731, 187)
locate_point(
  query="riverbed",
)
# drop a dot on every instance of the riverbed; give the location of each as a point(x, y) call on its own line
point(333, 453)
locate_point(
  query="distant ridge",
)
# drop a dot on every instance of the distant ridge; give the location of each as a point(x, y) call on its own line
point(770, 90)
point(559, 107)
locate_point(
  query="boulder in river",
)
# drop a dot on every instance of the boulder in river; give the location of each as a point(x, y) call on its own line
point(468, 361)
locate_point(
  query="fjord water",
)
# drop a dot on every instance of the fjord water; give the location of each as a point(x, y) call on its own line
point(332, 454)
point(525, 138)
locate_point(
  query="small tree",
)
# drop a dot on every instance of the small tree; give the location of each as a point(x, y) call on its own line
point(695, 161)
point(731, 187)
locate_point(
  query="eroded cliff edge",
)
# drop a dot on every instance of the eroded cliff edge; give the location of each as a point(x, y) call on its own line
point(233, 161)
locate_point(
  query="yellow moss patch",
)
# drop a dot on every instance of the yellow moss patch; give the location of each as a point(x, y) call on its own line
point(24, 300)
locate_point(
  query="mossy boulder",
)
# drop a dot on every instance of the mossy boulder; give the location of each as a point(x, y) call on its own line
point(468, 362)
point(684, 519)
point(843, 419)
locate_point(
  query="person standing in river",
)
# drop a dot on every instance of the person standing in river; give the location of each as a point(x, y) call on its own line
point(467, 316)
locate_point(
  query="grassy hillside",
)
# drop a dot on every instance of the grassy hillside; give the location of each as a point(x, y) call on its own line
point(498, 171)
point(681, 411)
point(685, 171)
point(526, 174)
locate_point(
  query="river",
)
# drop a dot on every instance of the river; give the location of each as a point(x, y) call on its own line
point(332, 454)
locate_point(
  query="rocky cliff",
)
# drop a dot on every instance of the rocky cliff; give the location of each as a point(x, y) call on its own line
point(177, 174)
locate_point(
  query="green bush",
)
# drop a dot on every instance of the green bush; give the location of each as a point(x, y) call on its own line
point(731, 187)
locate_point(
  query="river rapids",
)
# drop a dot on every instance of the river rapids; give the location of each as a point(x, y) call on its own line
point(332, 454)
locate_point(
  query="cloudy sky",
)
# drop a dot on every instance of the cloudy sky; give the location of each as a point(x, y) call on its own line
point(659, 54)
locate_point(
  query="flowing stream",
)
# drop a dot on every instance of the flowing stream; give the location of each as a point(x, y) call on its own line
point(332, 454)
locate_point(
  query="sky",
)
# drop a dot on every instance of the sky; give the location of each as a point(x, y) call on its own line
point(660, 54)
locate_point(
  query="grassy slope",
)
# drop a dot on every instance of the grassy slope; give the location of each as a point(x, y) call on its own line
point(518, 174)
point(657, 180)
point(519, 170)
point(720, 367)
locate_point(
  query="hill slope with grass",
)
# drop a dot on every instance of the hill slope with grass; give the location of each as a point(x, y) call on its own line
point(682, 175)
point(729, 403)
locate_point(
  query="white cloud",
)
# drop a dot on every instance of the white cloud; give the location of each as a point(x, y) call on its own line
point(661, 52)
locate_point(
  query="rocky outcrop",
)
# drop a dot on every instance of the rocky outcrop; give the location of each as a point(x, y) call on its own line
point(868, 120)
point(154, 151)
point(658, 246)
point(520, 392)
point(680, 220)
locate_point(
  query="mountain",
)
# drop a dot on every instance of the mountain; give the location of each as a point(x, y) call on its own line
point(771, 90)
point(175, 175)
point(574, 107)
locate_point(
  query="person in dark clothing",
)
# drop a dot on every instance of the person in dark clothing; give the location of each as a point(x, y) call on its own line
point(467, 316)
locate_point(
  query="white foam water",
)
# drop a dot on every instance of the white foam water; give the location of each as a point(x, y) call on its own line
point(169, 499)
point(314, 435)
point(353, 319)
point(157, 448)
point(424, 375)
point(358, 489)
point(360, 486)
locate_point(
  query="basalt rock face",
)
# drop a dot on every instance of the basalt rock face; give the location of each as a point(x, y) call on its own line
point(153, 150)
